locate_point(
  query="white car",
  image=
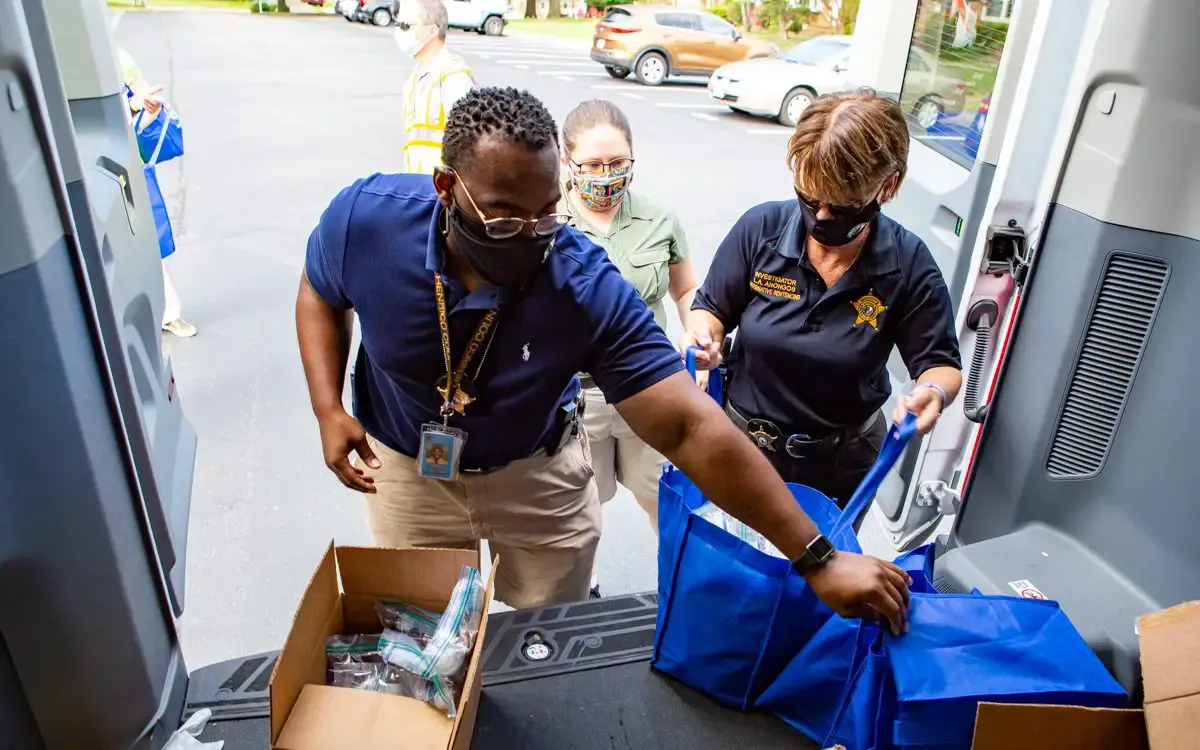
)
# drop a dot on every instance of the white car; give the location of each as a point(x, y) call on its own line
point(784, 84)
point(483, 16)
point(345, 8)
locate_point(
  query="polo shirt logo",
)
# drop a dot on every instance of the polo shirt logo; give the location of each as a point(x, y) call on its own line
point(774, 286)
point(869, 308)
point(525, 352)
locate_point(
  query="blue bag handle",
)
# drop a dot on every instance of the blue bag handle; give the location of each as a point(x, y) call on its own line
point(714, 380)
point(897, 438)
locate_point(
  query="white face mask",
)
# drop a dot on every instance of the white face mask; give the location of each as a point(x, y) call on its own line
point(407, 41)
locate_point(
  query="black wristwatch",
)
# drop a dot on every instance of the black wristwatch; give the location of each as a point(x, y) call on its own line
point(818, 552)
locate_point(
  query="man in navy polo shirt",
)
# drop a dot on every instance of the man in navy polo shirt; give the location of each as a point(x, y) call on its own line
point(477, 308)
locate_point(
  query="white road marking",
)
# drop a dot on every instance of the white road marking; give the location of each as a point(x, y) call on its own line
point(686, 105)
point(568, 79)
point(769, 131)
point(568, 73)
point(521, 67)
point(628, 95)
point(705, 117)
point(562, 63)
point(631, 85)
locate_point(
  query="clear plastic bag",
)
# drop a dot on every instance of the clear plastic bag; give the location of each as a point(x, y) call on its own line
point(353, 661)
point(402, 650)
point(720, 518)
point(447, 651)
point(409, 619)
point(439, 692)
point(187, 736)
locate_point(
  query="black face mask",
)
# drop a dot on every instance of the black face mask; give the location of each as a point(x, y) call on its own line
point(509, 263)
point(842, 227)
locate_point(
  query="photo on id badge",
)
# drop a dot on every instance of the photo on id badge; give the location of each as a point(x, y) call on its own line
point(438, 457)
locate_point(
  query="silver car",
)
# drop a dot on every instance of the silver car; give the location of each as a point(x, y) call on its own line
point(784, 84)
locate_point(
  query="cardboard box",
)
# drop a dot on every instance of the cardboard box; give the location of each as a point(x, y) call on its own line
point(1170, 651)
point(1170, 645)
point(306, 714)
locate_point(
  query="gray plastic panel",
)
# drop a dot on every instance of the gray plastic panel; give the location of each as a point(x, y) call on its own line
point(1125, 536)
point(533, 643)
point(1134, 158)
point(83, 605)
point(234, 689)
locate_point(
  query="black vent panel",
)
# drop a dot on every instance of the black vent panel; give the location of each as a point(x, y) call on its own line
point(1116, 336)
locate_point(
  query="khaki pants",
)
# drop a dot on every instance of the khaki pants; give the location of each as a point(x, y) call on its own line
point(618, 455)
point(541, 515)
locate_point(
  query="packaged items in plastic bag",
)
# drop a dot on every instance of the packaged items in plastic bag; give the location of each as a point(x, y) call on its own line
point(720, 518)
point(446, 653)
point(409, 619)
point(439, 692)
point(402, 650)
point(353, 661)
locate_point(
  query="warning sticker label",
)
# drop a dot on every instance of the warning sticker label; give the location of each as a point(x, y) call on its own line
point(1026, 589)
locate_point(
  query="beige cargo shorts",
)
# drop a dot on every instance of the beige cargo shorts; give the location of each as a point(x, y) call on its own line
point(618, 455)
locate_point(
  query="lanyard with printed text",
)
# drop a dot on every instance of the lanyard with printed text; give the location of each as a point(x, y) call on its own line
point(456, 390)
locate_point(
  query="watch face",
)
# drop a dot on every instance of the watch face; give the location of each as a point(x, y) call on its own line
point(821, 549)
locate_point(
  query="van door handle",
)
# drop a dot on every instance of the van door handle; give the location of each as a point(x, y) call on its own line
point(117, 173)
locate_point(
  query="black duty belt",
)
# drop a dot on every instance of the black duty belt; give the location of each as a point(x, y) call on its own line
point(772, 438)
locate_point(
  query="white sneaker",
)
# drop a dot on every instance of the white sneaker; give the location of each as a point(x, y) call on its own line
point(180, 328)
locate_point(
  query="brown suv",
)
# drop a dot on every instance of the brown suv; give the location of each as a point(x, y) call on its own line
point(655, 41)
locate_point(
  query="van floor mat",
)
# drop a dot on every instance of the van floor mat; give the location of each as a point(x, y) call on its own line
point(621, 706)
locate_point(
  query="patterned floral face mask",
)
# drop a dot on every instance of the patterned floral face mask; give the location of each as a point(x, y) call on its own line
point(600, 192)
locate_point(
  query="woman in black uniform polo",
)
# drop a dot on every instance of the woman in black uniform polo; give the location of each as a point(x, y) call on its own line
point(820, 290)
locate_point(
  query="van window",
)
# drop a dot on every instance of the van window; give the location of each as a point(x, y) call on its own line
point(952, 63)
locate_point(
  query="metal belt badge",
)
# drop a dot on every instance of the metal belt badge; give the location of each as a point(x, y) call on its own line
point(440, 452)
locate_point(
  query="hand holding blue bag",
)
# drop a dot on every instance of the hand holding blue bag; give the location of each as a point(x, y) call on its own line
point(731, 616)
point(159, 140)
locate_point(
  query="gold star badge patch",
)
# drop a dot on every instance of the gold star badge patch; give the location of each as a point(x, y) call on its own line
point(868, 307)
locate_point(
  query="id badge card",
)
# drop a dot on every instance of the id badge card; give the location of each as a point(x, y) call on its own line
point(440, 452)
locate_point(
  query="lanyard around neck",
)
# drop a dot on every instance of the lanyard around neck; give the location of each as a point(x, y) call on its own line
point(454, 376)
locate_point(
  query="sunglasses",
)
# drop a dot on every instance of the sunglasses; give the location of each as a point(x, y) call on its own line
point(510, 226)
point(837, 210)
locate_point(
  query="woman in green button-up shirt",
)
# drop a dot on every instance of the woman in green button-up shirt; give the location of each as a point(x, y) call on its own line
point(647, 244)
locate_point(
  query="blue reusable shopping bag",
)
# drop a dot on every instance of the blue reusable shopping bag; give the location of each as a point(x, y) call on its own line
point(161, 139)
point(730, 616)
point(808, 693)
point(922, 689)
point(158, 209)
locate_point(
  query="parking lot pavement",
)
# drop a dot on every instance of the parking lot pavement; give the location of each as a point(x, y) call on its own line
point(279, 115)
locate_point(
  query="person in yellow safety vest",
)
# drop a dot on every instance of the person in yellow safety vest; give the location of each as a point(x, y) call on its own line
point(439, 80)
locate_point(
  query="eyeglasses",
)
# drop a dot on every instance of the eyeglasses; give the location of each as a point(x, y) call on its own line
point(406, 26)
point(510, 226)
point(616, 166)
